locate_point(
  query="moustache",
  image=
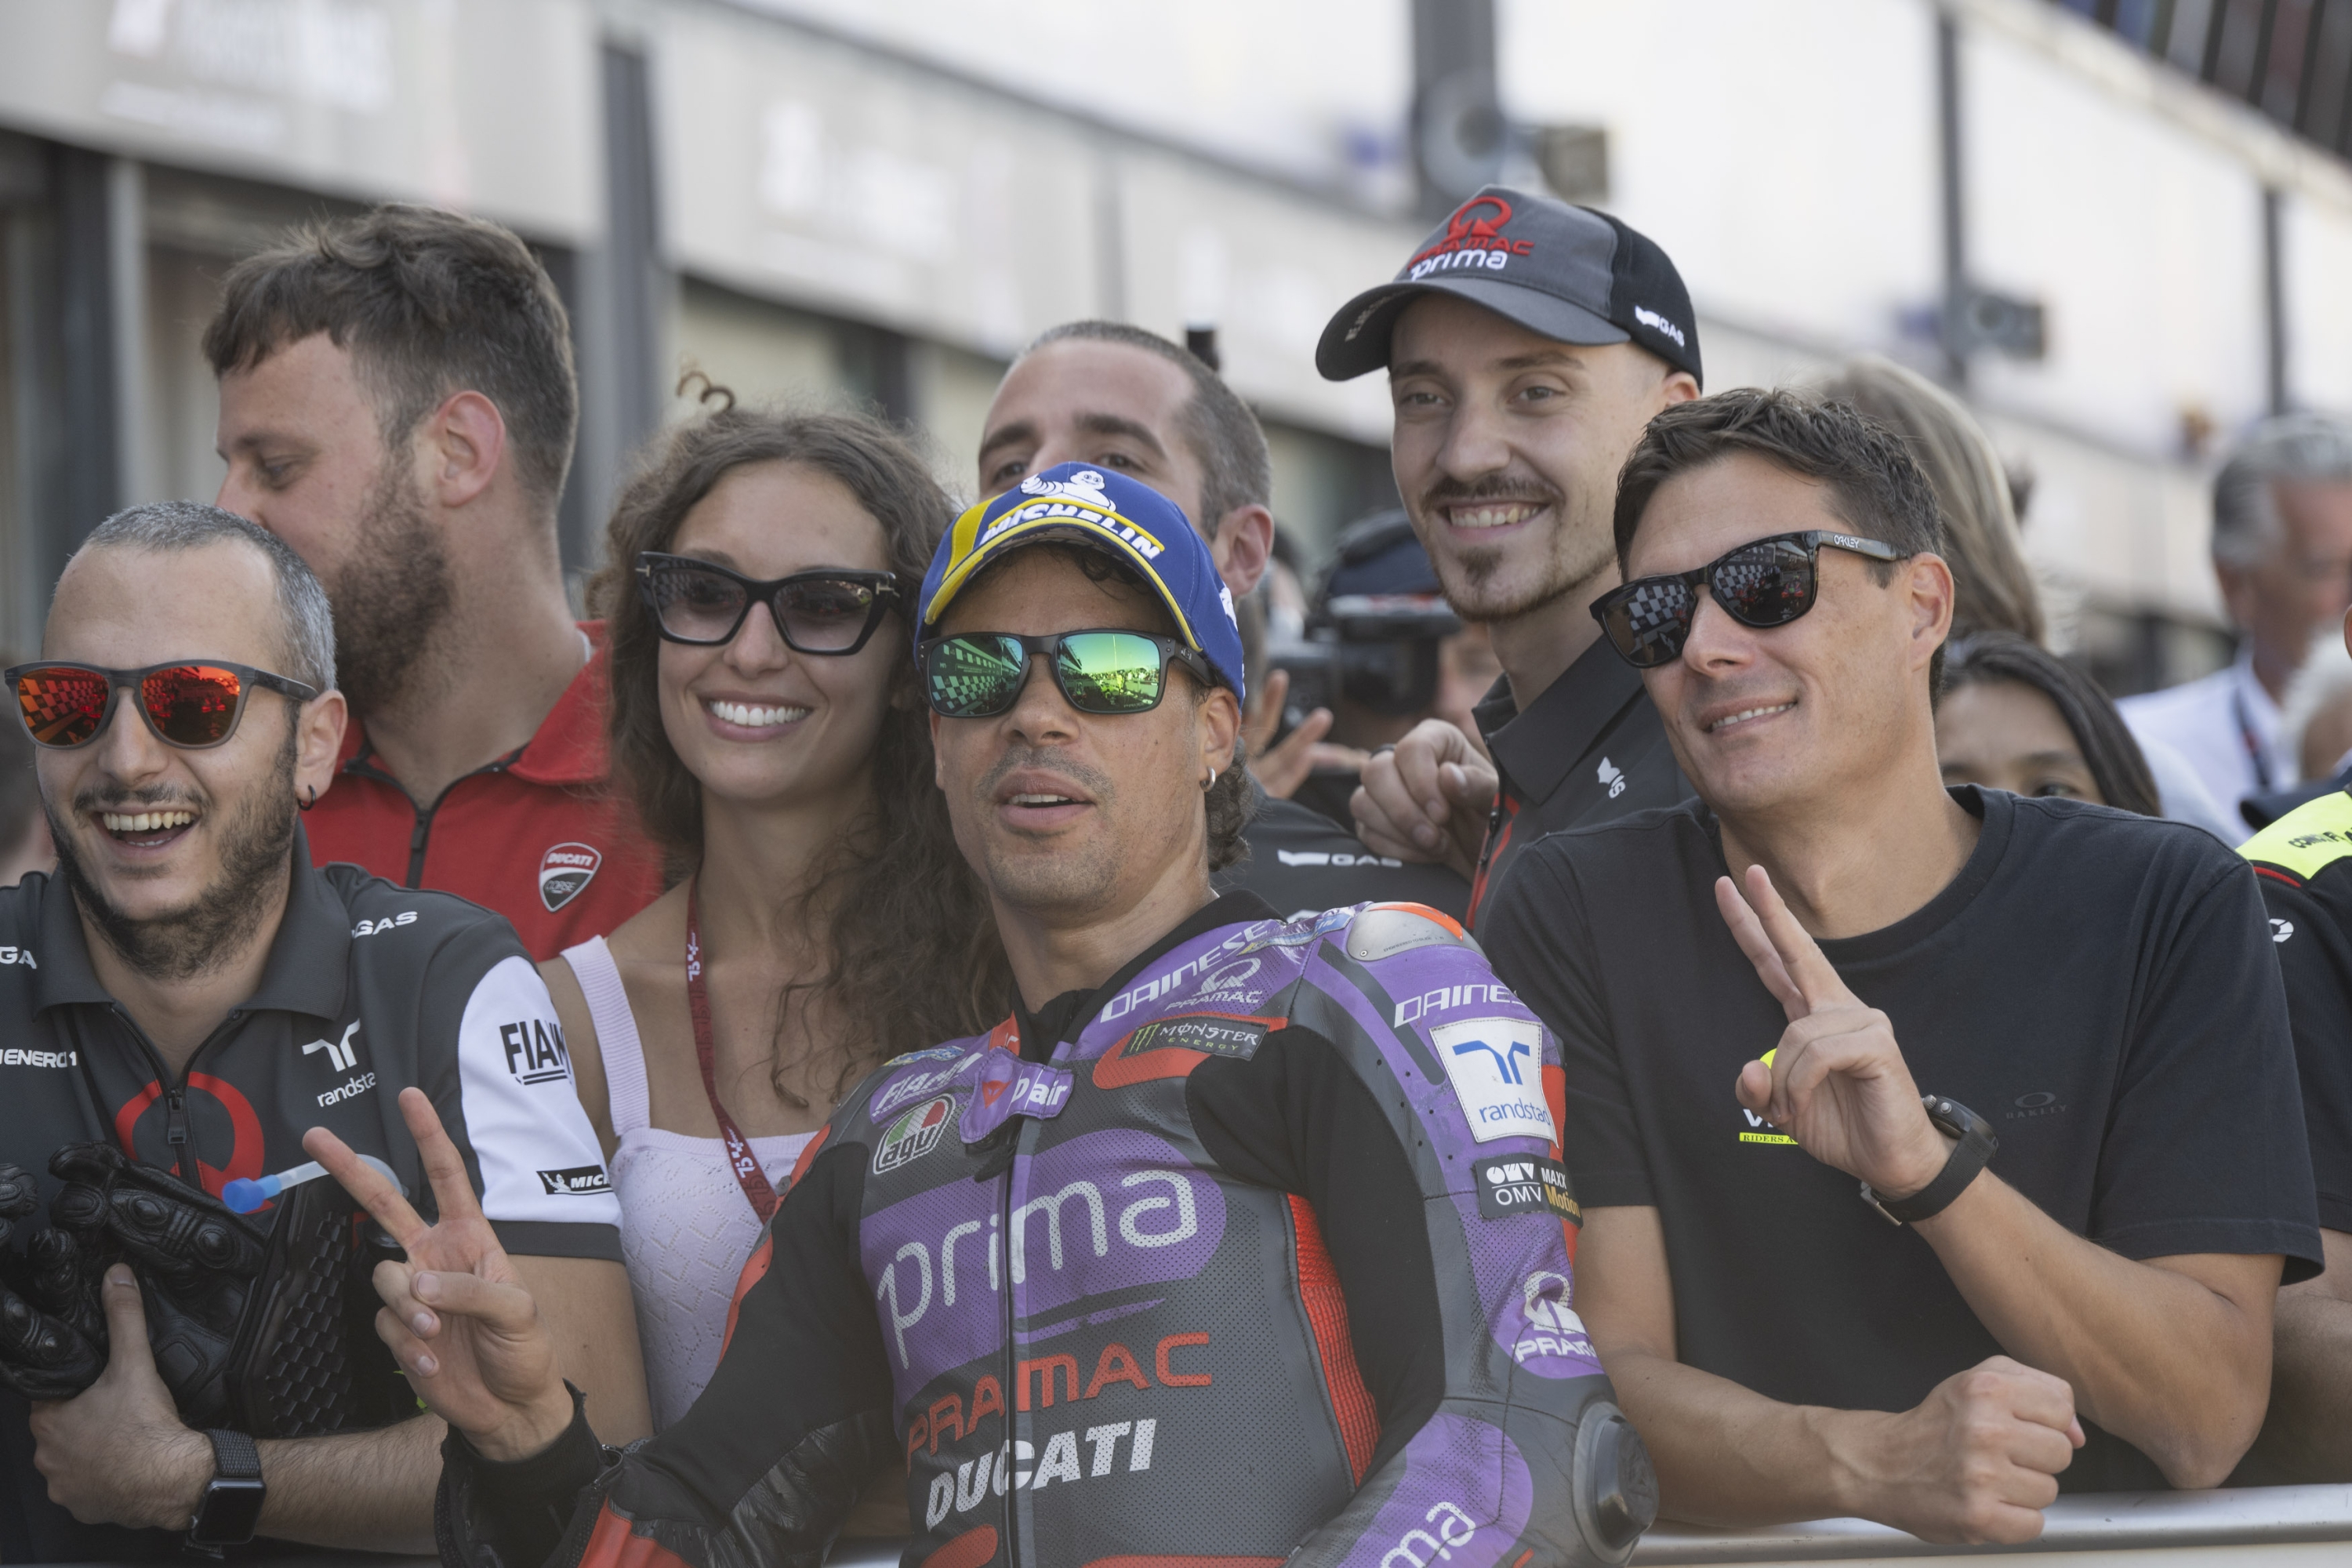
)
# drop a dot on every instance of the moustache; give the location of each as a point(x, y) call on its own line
point(1093, 779)
point(148, 798)
point(1504, 486)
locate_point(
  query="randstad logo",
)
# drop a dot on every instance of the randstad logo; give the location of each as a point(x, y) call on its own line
point(1472, 238)
point(1659, 325)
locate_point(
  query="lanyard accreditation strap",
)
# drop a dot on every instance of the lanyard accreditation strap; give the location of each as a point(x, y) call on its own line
point(740, 1158)
point(2254, 752)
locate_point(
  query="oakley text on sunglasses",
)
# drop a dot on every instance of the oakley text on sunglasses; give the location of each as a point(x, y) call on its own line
point(188, 704)
point(704, 605)
point(978, 675)
point(1764, 583)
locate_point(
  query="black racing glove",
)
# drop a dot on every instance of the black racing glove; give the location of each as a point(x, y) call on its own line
point(52, 1326)
point(195, 1259)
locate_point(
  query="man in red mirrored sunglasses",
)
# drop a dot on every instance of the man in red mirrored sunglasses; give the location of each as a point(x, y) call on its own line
point(185, 997)
point(2046, 1038)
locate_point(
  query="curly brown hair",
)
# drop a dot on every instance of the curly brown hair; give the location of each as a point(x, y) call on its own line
point(914, 958)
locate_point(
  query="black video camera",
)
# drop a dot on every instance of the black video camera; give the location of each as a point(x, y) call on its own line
point(1372, 635)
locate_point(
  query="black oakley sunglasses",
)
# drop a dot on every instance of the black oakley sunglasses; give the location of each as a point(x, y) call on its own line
point(978, 675)
point(189, 703)
point(701, 604)
point(1763, 584)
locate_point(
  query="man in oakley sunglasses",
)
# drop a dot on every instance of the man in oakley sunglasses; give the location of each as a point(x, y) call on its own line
point(190, 993)
point(1832, 1000)
point(1074, 1277)
point(1527, 342)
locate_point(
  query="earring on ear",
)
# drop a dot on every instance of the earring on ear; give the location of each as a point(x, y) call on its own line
point(1211, 783)
point(313, 800)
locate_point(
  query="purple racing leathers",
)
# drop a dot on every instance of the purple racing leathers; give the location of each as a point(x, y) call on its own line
point(1262, 1249)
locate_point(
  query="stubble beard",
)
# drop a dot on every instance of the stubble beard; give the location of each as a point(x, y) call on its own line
point(256, 848)
point(1024, 875)
point(391, 598)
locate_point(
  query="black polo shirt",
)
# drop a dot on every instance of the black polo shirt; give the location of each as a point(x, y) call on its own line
point(369, 987)
point(2097, 985)
point(1300, 860)
point(1590, 749)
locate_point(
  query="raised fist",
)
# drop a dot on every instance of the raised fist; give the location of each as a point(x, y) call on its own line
point(52, 1329)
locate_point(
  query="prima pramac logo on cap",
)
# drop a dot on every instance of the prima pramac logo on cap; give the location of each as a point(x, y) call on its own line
point(564, 870)
point(1472, 238)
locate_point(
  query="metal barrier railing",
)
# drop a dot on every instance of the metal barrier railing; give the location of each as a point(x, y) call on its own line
point(2242, 1518)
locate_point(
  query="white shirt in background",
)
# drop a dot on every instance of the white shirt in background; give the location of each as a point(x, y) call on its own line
point(2226, 730)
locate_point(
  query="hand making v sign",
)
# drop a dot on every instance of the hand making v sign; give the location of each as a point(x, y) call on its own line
point(456, 1314)
point(1836, 1082)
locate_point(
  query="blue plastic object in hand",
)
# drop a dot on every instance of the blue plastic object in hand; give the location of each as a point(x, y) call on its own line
point(248, 1193)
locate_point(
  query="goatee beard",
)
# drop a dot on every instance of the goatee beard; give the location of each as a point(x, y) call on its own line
point(1467, 573)
point(392, 597)
point(255, 849)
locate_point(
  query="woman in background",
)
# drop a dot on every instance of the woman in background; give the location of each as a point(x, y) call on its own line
point(1993, 587)
point(759, 576)
point(2019, 718)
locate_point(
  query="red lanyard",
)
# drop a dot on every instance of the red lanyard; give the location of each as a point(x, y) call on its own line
point(740, 1158)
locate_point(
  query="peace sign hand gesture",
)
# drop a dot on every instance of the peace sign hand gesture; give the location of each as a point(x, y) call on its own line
point(456, 1314)
point(1837, 1082)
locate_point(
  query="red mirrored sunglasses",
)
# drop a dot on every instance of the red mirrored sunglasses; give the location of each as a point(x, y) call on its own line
point(191, 704)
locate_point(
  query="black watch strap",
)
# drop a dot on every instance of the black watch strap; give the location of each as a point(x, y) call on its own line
point(1978, 1146)
point(230, 1510)
point(234, 1455)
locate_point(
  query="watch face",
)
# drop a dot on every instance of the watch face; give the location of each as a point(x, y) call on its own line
point(229, 1513)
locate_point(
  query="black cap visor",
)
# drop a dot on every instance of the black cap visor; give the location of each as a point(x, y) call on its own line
point(1357, 339)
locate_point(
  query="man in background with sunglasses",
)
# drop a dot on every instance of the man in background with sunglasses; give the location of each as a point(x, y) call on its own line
point(1238, 1240)
point(397, 403)
point(2048, 1040)
point(1527, 343)
point(1131, 401)
point(190, 992)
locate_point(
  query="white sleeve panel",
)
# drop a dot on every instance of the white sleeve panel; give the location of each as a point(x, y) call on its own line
point(539, 1157)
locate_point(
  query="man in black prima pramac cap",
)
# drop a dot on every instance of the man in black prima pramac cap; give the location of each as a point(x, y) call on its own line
point(1527, 342)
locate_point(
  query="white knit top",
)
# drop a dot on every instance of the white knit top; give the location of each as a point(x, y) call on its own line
point(686, 1225)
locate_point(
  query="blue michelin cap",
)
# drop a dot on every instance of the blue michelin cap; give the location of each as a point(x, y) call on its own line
point(1129, 521)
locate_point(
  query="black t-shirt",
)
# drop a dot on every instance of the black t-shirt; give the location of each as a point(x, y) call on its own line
point(2097, 985)
point(1301, 860)
point(369, 987)
point(2305, 863)
point(1590, 747)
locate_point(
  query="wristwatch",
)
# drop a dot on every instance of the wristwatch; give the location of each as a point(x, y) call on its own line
point(230, 1508)
point(1976, 1146)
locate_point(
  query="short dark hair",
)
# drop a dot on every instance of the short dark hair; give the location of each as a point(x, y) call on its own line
point(2114, 757)
point(1874, 486)
point(1226, 439)
point(306, 623)
point(427, 303)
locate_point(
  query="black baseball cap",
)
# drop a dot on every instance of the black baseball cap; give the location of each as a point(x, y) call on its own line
point(1570, 273)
